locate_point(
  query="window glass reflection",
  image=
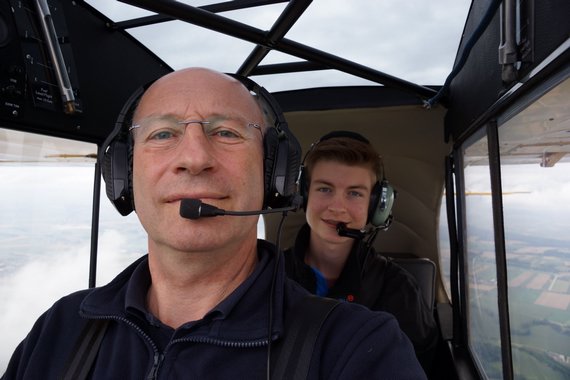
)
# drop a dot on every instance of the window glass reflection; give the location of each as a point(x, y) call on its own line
point(535, 174)
point(444, 247)
point(482, 309)
point(46, 196)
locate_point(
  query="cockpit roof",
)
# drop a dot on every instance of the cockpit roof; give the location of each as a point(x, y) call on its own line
point(375, 41)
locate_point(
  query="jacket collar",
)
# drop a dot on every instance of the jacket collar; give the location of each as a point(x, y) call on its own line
point(348, 284)
point(243, 314)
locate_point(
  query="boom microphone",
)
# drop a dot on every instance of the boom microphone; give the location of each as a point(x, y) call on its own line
point(194, 209)
point(353, 233)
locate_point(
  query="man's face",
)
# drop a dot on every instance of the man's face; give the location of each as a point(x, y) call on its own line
point(219, 162)
point(338, 193)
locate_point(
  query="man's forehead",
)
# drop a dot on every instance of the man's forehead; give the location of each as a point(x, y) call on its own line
point(194, 86)
point(219, 97)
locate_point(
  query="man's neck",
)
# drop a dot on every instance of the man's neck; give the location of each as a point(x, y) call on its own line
point(186, 286)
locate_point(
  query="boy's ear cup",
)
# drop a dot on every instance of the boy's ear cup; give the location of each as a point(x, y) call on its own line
point(381, 202)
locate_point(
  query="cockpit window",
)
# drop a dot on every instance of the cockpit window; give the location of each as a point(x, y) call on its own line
point(535, 193)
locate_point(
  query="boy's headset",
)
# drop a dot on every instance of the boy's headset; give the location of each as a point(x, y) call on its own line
point(282, 153)
point(381, 197)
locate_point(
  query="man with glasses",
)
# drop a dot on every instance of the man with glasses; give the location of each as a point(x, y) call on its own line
point(209, 301)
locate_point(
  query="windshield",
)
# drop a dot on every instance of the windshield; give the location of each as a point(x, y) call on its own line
point(415, 40)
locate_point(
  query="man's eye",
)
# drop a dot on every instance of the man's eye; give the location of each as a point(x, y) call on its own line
point(226, 134)
point(324, 189)
point(161, 135)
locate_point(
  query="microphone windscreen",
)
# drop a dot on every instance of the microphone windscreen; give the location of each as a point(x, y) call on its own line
point(352, 233)
point(190, 208)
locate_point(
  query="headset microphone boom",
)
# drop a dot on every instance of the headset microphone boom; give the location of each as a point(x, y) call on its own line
point(194, 209)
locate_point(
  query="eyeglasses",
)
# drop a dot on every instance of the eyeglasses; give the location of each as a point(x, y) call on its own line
point(165, 131)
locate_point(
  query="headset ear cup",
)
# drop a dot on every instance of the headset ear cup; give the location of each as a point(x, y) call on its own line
point(282, 151)
point(270, 147)
point(293, 166)
point(281, 165)
point(117, 176)
point(381, 203)
point(106, 170)
point(116, 156)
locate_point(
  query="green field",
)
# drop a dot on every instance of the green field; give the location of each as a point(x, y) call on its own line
point(540, 335)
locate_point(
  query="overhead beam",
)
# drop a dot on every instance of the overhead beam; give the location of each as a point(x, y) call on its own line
point(284, 23)
point(226, 6)
point(248, 33)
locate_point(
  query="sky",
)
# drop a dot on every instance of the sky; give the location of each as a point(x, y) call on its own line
point(415, 40)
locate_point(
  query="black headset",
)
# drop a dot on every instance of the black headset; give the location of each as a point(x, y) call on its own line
point(381, 197)
point(282, 153)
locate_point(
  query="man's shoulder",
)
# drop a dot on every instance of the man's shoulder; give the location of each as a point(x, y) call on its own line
point(359, 315)
point(353, 339)
point(390, 271)
point(346, 317)
point(67, 306)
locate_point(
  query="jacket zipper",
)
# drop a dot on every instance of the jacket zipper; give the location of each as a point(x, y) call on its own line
point(223, 343)
point(158, 357)
point(156, 363)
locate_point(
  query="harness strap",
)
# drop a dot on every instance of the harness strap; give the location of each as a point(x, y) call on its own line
point(85, 350)
point(291, 358)
point(293, 355)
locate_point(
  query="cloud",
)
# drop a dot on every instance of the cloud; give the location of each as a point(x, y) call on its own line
point(45, 256)
point(536, 200)
point(415, 40)
point(35, 286)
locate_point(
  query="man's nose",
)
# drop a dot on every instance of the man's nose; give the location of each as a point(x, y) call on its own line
point(194, 153)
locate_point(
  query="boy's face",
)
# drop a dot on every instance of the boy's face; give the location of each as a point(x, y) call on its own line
point(338, 193)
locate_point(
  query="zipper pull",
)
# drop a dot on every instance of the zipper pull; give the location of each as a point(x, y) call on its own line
point(156, 364)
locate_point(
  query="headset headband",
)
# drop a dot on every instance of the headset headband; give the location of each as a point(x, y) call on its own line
point(282, 155)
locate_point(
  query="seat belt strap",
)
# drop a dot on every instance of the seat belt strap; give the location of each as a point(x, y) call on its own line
point(85, 352)
point(292, 356)
point(290, 360)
